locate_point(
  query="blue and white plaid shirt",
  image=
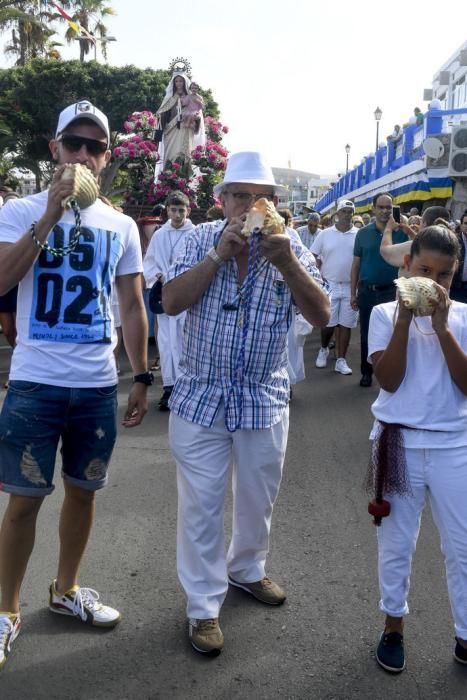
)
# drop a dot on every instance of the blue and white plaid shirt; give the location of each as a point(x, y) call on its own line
point(213, 336)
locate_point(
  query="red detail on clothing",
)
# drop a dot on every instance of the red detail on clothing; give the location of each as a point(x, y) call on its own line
point(379, 509)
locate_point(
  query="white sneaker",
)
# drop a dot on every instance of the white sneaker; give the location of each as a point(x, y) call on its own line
point(84, 604)
point(322, 359)
point(342, 366)
point(10, 624)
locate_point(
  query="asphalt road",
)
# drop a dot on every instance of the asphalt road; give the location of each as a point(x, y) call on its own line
point(319, 644)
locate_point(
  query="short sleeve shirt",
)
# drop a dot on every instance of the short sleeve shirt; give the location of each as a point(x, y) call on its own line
point(373, 268)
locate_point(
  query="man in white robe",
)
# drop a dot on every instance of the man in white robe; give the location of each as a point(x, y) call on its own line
point(164, 248)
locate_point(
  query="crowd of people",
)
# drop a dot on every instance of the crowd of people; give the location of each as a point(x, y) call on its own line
point(228, 306)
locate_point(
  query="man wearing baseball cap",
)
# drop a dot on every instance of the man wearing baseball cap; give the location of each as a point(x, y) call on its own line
point(215, 418)
point(63, 380)
point(333, 249)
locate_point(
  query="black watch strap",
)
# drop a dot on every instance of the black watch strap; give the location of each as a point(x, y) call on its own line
point(144, 378)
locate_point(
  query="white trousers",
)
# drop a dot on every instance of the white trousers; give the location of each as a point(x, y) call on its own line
point(169, 340)
point(440, 475)
point(203, 457)
point(295, 360)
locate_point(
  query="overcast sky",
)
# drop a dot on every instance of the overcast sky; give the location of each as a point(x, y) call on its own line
point(297, 79)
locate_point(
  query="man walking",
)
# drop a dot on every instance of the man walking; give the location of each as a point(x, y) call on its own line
point(63, 381)
point(372, 275)
point(230, 402)
point(333, 248)
point(309, 232)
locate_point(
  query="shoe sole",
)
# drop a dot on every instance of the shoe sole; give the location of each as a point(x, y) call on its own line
point(93, 623)
point(10, 642)
point(247, 590)
point(211, 652)
point(459, 660)
point(340, 372)
point(391, 669)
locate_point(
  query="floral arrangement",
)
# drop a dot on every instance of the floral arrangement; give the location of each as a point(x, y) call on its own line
point(211, 161)
point(215, 131)
point(137, 154)
point(176, 176)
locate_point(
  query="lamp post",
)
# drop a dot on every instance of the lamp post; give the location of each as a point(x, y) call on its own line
point(378, 115)
point(347, 151)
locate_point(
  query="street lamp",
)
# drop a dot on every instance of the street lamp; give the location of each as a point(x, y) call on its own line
point(347, 151)
point(378, 115)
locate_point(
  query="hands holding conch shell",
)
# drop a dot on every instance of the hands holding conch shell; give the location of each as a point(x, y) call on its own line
point(422, 296)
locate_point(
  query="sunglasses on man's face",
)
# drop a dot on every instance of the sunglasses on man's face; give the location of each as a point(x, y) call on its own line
point(75, 143)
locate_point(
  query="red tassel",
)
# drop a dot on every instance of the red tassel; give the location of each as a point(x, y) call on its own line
point(379, 509)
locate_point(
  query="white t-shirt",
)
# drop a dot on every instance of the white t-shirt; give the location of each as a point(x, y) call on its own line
point(335, 249)
point(64, 319)
point(427, 399)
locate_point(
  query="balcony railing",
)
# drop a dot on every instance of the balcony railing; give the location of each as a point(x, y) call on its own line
point(394, 155)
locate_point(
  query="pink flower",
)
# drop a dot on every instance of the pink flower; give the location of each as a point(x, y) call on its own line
point(225, 129)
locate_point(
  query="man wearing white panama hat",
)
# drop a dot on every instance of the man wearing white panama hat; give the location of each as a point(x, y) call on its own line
point(215, 419)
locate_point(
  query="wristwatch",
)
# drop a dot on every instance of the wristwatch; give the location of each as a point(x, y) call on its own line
point(144, 378)
point(214, 255)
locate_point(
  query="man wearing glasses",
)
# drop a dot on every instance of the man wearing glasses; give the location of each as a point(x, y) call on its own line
point(63, 381)
point(217, 419)
point(372, 278)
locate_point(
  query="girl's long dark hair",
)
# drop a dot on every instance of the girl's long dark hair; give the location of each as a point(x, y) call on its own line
point(436, 238)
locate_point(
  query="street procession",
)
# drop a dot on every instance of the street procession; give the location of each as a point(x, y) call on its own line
point(233, 352)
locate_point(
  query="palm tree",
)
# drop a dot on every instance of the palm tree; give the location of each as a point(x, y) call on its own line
point(90, 15)
point(31, 31)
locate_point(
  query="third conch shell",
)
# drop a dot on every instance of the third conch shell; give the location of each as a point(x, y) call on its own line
point(263, 216)
point(85, 187)
point(417, 293)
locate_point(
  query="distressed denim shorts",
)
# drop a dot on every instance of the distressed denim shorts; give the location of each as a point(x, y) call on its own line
point(33, 420)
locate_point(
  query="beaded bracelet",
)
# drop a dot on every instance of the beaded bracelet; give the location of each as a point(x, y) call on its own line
point(66, 250)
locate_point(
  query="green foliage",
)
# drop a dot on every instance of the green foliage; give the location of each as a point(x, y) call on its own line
point(33, 96)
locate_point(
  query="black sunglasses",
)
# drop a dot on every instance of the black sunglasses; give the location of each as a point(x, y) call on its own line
point(75, 143)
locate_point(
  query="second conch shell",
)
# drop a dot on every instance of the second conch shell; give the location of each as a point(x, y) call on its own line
point(85, 186)
point(418, 294)
point(263, 216)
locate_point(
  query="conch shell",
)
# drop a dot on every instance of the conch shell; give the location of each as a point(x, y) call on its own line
point(85, 187)
point(417, 293)
point(263, 216)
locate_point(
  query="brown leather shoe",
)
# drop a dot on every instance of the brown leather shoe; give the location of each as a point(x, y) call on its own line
point(206, 636)
point(265, 590)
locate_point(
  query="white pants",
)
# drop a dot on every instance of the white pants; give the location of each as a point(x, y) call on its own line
point(203, 457)
point(342, 313)
point(169, 341)
point(295, 360)
point(440, 475)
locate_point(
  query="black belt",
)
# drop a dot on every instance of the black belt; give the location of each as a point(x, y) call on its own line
point(375, 287)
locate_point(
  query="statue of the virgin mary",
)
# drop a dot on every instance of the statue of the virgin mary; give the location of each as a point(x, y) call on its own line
point(180, 117)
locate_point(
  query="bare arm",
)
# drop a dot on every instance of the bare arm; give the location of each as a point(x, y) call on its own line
point(354, 276)
point(309, 296)
point(394, 253)
point(16, 259)
point(456, 358)
point(186, 289)
point(135, 333)
point(390, 364)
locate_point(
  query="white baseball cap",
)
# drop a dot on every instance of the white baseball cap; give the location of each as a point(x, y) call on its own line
point(345, 204)
point(83, 110)
point(248, 167)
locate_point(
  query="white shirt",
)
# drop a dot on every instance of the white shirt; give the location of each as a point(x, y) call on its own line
point(335, 249)
point(64, 319)
point(166, 244)
point(427, 399)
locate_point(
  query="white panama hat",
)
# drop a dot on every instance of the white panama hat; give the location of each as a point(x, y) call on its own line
point(248, 167)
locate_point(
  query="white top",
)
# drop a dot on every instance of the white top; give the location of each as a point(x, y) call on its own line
point(306, 237)
point(166, 244)
point(335, 249)
point(427, 399)
point(64, 320)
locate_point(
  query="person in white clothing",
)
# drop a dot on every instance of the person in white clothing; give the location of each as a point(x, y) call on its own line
point(421, 365)
point(164, 247)
point(333, 249)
